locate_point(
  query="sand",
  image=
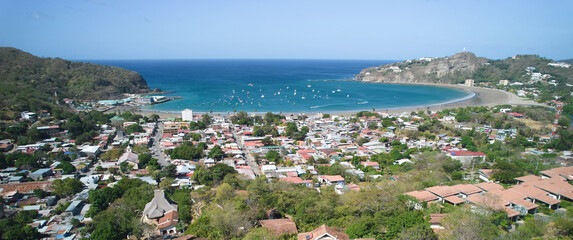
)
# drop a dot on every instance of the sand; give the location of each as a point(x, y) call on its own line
point(482, 97)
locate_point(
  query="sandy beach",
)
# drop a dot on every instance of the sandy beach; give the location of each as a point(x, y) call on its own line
point(480, 97)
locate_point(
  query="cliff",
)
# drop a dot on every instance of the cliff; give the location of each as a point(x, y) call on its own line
point(446, 70)
point(29, 82)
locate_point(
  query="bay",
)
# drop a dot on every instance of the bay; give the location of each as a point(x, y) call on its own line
point(260, 85)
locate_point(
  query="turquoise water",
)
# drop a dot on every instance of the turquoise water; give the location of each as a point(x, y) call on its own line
point(277, 86)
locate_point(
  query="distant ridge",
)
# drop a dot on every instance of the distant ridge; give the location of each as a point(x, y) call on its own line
point(28, 82)
point(427, 70)
point(461, 66)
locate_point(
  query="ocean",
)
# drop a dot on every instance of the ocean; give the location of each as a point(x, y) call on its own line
point(285, 86)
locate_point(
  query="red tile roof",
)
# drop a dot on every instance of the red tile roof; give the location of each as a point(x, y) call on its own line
point(332, 178)
point(423, 195)
point(322, 232)
point(25, 187)
point(489, 186)
point(168, 219)
point(454, 200)
point(280, 226)
point(467, 189)
point(466, 153)
point(443, 191)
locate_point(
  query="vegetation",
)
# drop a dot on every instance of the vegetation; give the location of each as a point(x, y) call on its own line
point(41, 76)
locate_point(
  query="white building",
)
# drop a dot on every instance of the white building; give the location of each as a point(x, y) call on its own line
point(187, 115)
point(469, 82)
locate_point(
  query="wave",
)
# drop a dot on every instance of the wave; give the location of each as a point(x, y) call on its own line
point(320, 106)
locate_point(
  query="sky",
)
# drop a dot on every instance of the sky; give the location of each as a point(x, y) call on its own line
point(286, 29)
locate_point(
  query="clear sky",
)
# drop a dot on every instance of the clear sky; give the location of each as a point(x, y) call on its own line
point(299, 29)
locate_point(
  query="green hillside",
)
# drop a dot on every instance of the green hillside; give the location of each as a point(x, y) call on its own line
point(28, 82)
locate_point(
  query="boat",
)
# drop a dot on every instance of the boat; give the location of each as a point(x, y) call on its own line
point(262, 96)
point(250, 84)
point(308, 85)
point(338, 90)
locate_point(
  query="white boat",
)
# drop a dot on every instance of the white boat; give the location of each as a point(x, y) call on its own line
point(308, 85)
point(262, 96)
point(338, 90)
point(250, 84)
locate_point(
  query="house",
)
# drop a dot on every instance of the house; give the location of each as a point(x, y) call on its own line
point(504, 82)
point(187, 115)
point(423, 196)
point(446, 194)
point(6, 145)
point(28, 116)
point(131, 158)
point(485, 174)
point(75, 208)
point(52, 131)
point(162, 213)
point(330, 180)
point(41, 173)
point(375, 165)
point(280, 226)
point(436, 221)
point(91, 151)
point(323, 233)
point(560, 172)
point(469, 82)
point(467, 157)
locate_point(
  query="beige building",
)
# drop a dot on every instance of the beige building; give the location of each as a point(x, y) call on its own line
point(162, 213)
point(504, 82)
point(470, 82)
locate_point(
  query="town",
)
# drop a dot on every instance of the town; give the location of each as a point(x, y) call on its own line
point(112, 176)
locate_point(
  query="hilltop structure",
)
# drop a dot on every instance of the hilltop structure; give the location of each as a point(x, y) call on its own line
point(162, 213)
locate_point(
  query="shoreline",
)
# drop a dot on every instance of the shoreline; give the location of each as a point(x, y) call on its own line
point(477, 96)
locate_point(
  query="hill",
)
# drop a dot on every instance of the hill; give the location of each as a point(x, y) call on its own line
point(441, 70)
point(28, 82)
point(461, 66)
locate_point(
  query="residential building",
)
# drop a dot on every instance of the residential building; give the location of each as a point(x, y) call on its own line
point(187, 115)
point(162, 213)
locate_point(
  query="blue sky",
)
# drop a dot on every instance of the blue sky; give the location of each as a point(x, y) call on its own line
point(299, 29)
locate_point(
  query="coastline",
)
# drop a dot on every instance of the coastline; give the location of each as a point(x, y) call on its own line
point(477, 96)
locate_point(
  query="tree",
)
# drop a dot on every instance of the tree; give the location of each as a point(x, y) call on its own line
point(273, 156)
point(67, 167)
point(261, 234)
point(267, 141)
point(215, 174)
point(224, 192)
point(216, 152)
point(154, 117)
point(124, 167)
point(67, 187)
point(506, 172)
point(166, 185)
point(169, 171)
point(25, 232)
point(144, 159)
point(291, 129)
point(40, 193)
point(464, 223)
point(133, 128)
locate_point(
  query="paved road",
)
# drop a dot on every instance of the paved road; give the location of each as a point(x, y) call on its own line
point(156, 148)
point(248, 157)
